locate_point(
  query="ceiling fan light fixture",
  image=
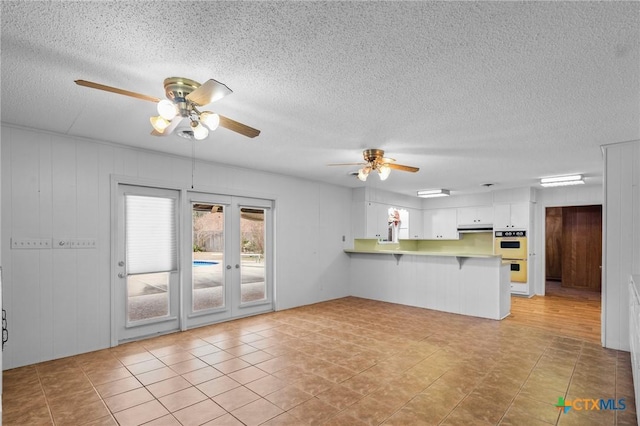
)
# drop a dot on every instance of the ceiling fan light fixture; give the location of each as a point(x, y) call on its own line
point(167, 109)
point(159, 123)
point(384, 171)
point(363, 173)
point(199, 131)
point(210, 119)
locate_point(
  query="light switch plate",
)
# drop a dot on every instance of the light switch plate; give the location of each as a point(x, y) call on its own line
point(74, 243)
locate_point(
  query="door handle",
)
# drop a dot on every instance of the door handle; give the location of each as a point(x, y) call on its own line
point(121, 263)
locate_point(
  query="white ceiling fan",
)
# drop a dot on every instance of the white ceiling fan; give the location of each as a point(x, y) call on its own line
point(184, 98)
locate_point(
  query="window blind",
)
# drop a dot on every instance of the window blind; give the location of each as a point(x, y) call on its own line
point(150, 226)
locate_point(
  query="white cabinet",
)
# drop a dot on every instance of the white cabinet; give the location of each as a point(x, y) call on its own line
point(441, 224)
point(508, 216)
point(470, 216)
point(416, 226)
point(376, 220)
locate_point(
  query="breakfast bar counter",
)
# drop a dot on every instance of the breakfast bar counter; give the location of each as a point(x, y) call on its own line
point(472, 284)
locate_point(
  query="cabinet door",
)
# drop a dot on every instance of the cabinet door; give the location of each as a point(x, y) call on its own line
point(502, 216)
point(416, 225)
point(467, 216)
point(484, 215)
point(520, 216)
point(441, 224)
point(376, 222)
point(448, 224)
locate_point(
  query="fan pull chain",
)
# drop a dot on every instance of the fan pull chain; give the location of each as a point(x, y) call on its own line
point(193, 160)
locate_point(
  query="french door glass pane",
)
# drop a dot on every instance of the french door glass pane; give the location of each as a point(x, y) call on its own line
point(252, 271)
point(147, 296)
point(208, 256)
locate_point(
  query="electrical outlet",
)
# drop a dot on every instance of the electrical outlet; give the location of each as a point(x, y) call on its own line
point(30, 243)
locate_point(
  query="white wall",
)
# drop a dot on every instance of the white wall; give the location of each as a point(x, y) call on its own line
point(53, 186)
point(621, 239)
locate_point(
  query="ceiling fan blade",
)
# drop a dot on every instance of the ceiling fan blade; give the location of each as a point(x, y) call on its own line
point(99, 86)
point(237, 127)
point(403, 168)
point(170, 128)
point(347, 164)
point(210, 91)
point(386, 160)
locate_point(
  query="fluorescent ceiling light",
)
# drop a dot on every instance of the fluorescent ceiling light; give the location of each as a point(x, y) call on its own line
point(430, 193)
point(562, 180)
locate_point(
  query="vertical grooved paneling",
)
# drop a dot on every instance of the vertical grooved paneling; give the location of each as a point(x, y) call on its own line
point(7, 225)
point(611, 290)
point(23, 314)
point(87, 192)
point(45, 301)
point(621, 235)
point(64, 260)
point(106, 160)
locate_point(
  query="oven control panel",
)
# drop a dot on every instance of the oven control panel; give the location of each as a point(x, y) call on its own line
point(519, 234)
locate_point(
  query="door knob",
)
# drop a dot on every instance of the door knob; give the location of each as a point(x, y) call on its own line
point(121, 263)
point(228, 266)
point(120, 275)
point(237, 266)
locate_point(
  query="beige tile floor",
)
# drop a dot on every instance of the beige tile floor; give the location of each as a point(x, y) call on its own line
point(345, 362)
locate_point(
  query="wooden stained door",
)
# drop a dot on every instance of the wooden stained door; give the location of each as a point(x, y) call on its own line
point(553, 243)
point(582, 247)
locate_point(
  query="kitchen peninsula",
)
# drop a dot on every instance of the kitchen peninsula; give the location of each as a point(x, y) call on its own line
point(428, 274)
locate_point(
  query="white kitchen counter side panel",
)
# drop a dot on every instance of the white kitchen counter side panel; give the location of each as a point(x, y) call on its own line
point(480, 287)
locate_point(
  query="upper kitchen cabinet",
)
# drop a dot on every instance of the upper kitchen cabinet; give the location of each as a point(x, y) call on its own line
point(416, 225)
point(376, 221)
point(441, 224)
point(511, 216)
point(475, 216)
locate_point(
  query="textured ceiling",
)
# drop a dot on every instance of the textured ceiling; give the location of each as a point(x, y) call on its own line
point(470, 92)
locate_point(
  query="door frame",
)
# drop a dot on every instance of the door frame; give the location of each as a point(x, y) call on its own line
point(117, 179)
point(541, 245)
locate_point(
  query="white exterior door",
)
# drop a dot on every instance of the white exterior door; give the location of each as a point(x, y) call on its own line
point(230, 273)
point(146, 280)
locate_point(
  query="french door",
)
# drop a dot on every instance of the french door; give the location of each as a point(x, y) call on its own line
point(229, 275)
point(147, 270)
point(185, 259)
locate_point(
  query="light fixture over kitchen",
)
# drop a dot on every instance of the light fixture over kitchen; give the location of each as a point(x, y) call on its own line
point(432, 193)
point(562, 180)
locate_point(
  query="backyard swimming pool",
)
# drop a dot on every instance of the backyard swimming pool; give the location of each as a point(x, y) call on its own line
point(204, 263)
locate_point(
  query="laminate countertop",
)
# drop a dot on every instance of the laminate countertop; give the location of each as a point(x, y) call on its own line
point(423, 253)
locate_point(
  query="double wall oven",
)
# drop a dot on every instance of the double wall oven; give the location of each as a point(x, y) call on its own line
point(512, 245)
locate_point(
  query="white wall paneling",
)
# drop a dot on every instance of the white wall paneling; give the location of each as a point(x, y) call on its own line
point(477, 287)
point(621, 234)
point(59, 301)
